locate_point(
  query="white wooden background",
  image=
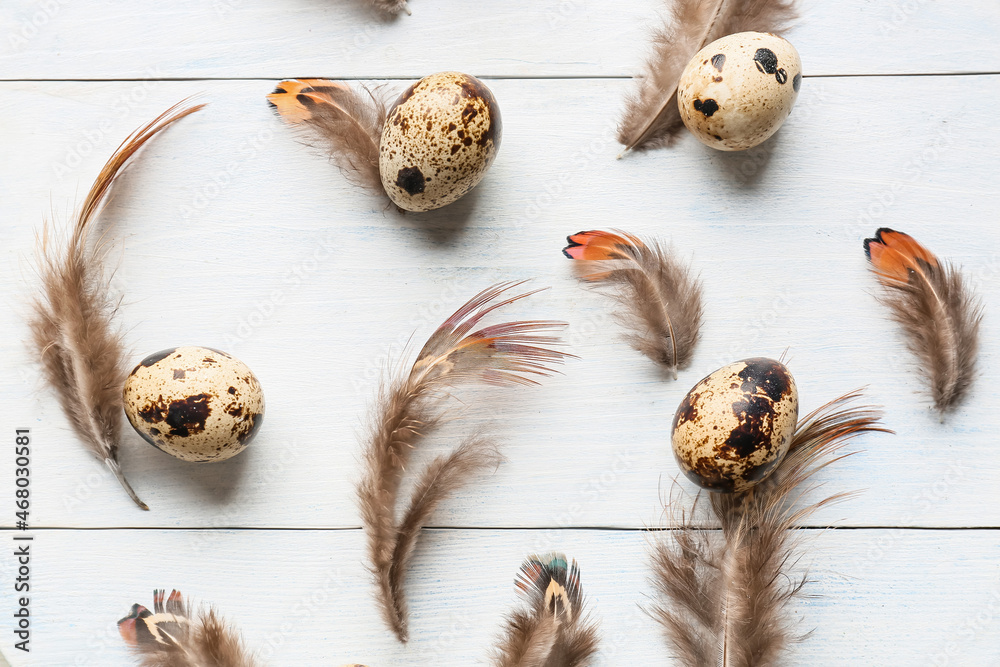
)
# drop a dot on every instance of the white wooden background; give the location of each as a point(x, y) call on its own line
point(234, 235)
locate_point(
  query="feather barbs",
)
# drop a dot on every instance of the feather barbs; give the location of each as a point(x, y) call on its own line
point(895, 255)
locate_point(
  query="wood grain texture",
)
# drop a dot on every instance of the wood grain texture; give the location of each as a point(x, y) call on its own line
point(238, 237)
point(105, 39)
point(303, 597)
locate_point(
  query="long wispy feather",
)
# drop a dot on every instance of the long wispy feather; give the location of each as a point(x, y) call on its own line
point(346, 121)
point(938, 312)
point(661, 299)
point(72, 326)
point(411, 405)
point(724, 593)
point(651, 118)
point(173, 635)
point(552, 629)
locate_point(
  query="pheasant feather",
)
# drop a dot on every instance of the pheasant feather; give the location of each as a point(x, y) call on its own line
point(552, 628)
point(724, 594)
point(72, 327)
point(661, 299)
point(411, 405)
point(938, 312)
point(173, 635)
point(651, 118)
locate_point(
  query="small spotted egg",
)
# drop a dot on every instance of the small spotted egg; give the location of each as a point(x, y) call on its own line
point(734, 427)
point(737, 91)
point(439, 139)
point(194, 403)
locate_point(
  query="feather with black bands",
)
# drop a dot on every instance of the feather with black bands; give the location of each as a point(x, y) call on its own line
point(552, 629)
point(411, 405)
point(348, 122)
point(661, 299)
point(651, 118)
point(174, 635)
point(938, 312)
point(724, 594)
point(72, 322)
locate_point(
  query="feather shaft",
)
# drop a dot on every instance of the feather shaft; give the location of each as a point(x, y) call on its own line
point(410, 406)
point(72, 320)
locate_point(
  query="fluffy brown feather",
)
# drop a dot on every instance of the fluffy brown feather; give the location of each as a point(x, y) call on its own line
point(938, 312)
point(724, 594)
point(661, 299)
point(389, 7)
point(172, 635)
point(553, 628)
point(651, 118)
point(348, 122)
point(411, 405)
point(73, 333)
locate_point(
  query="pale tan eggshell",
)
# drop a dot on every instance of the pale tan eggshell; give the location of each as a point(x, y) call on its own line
point(737, 91)
point(439, 139)
point(734, 427)
point(195, 403)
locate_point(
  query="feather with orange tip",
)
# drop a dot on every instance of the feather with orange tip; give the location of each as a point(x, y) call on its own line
point(661, 299)
point(552, 629)
point(172, 635)
point(411, 405)
point(938, 312)
point(72, 321)
point(347, 122)
point(724, 589)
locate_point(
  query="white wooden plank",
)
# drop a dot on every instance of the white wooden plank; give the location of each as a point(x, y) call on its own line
point(240, 238)
point(57, 39)
point(304, 597)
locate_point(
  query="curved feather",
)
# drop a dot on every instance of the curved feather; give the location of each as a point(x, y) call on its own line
point(72, 322)
point(939, 314)
point(661, 300)
point(408, 408)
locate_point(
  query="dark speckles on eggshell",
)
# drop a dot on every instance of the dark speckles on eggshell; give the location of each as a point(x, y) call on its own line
point(188, 415)
point(766, 61)
point(781, 76)
point(156, 356)
point(718, 60)
point(411, 179)
point(797, 82)
point(707, 107)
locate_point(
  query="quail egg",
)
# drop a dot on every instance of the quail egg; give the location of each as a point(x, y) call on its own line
point(195, 403)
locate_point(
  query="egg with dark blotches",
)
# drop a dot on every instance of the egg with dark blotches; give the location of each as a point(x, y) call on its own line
point(194, 403)
point(737, 91)
point(734, 427)
point(438, 141)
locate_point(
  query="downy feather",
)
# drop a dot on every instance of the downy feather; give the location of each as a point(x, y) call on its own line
point(389, 7)
point(346, 121)
point(661, 299)
point(552, 629)
point(938, 312)
point(651, 118)
point(72, 327)
point(724, 594)
point(172, 635)
point(411, 405)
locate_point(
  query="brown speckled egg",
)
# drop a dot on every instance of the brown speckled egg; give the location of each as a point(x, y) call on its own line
point(736, 425)
point(737, 91)
point(194, 403)
point(439, 139)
